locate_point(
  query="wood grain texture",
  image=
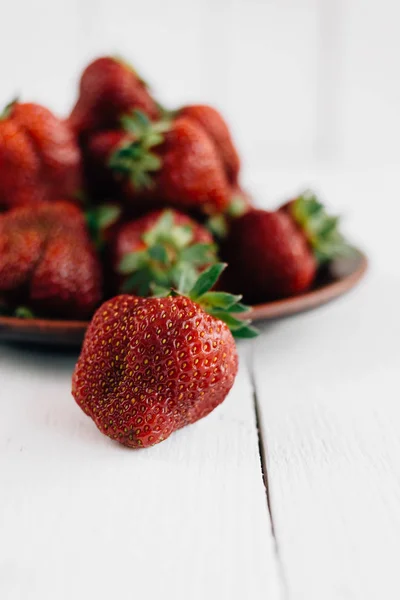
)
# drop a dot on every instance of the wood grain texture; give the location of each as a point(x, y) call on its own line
point(328, 388)
point(82, 517)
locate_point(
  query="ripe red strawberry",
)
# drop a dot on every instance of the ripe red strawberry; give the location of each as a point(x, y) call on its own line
point(150, 366)
point(47, 261)
point(213, 123)
point(159, 249)
point(39, 157)
point(109, 87)
point(173, 161)
point(277, 254)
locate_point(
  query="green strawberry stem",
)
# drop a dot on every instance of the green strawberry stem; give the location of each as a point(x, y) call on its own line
point(23, 312)
point(134, 159)
point(8, 109)
point(218, 224)
point(220, 305)
point(98, 219)
point(321, 230)
point(168, 260)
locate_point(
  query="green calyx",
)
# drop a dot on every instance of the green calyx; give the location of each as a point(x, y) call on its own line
point(321, 230)
point(134, 159)
point(99, 219)
point(220, 305)
point(170, 259)
point(21, 312)
point(7, 110)
point(218, 224)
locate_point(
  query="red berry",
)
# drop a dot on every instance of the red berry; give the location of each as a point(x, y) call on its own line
point(175, 163)
point(47, 261)
point(39, 157)
point(153, 365)
point(215, 126)
point(269, 256)
point(109, 88)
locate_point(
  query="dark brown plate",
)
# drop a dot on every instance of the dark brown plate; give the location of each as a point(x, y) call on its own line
point(343, 275)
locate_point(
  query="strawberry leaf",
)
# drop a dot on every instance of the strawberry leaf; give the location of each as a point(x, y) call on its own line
point(220, 299)
point(320, 228)
point(245, 332)
point(239, 308)
point(23, 312)
point(207, 280)
point(135, 158)
point(158, 253)
point(233, 323)
point(131, 262)
point(198, 254)
point(168, 259)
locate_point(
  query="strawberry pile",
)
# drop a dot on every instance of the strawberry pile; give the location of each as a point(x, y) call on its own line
point(134, 205)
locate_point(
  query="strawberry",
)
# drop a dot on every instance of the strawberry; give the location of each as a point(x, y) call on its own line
point(173, 161)
point(101, 180)
point(39, 156)
point(150, 366)
point(277, 254)
point(240, 202)
point(158, 250)
point(109, 87)
point(213, 123)
point(47, 261)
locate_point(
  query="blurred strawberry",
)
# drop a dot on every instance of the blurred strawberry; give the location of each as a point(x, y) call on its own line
point(240, 202)
point(47, 261)
point(173, 161)
point(213, 123)
point(164, 248)
point(277, 254)
point(109, 87)
point(39, 156)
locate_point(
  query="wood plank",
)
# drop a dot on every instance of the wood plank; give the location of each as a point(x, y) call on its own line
point(82, 517)
point(328, 388)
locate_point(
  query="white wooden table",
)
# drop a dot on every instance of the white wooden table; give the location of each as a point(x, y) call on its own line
point(289, 490)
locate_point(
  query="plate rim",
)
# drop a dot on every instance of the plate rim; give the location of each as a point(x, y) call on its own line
point(313, 297)
point(258, 312)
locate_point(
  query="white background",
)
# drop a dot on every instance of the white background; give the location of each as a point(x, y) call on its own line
point(312, 91)
point(299, 80)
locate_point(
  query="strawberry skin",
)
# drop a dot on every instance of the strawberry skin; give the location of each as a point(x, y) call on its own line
point(192, 174)
point(213, 123)
point(150, 366)
point(47, 261)
point(108, 89)
point(269, 256)
point(39, 157)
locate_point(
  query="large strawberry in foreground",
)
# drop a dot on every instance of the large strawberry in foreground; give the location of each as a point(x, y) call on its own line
point(109, 87)
point(39, 157)
point(277, 254)
point(47, 262)
point(160, 249)
point(150, 366)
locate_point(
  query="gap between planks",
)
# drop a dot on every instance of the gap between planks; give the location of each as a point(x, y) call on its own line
point(262, 450)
